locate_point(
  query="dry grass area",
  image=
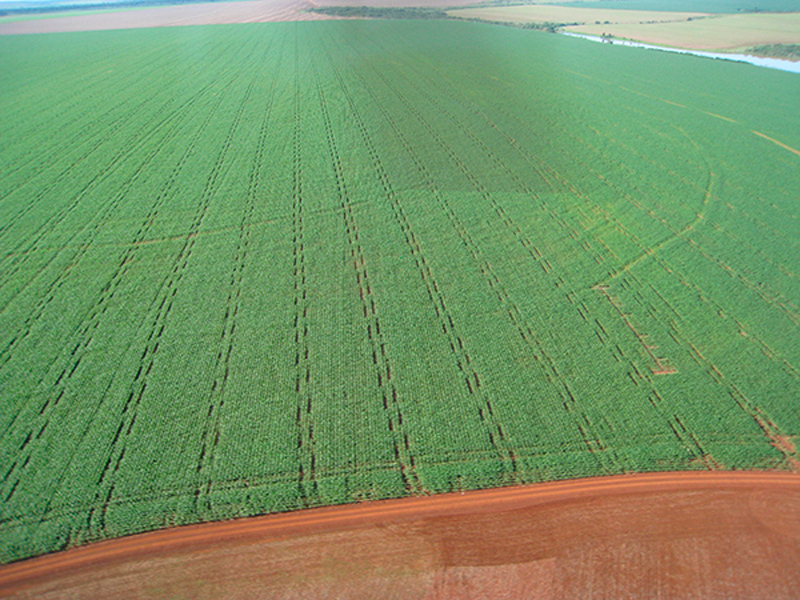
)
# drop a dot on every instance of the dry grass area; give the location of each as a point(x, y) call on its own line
point(568, 14)
point(728, 32)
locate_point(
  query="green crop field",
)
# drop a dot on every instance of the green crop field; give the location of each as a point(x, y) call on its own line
point(257, 268)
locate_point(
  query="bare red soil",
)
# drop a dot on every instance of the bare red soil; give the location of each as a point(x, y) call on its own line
point(668, 535)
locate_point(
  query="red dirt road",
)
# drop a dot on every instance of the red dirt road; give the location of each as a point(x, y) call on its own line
point(668, 535)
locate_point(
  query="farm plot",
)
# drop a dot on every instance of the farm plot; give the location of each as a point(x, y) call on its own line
point(256, 268)
point(769, 34)
point(725, 33)
point(572, 15)
point(213, 13)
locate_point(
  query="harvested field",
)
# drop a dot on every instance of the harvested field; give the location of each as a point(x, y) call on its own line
point(726, 33)
point(216, 13)
point(698, 535)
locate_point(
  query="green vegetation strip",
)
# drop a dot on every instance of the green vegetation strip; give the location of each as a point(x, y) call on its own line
point(257, 268)
point(785, 51)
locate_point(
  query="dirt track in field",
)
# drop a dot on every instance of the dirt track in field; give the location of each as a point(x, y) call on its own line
point(217, 13)
point(669, 535)
point(774, 141)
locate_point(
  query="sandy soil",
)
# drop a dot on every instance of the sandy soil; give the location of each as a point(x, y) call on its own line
point(249, 11)
point(697, 534)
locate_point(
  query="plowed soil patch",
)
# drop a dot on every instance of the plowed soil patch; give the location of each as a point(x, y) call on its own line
point(698, 534)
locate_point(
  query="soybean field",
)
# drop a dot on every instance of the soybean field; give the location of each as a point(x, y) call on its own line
point(256, 268)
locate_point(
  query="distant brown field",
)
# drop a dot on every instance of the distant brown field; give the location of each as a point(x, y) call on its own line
point(729, 32)
point(258, 11)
